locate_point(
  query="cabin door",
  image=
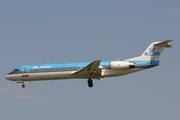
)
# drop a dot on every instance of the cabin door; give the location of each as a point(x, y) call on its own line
point(25, 71)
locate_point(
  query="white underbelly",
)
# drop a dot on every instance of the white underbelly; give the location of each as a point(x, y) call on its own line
point(68, 75)
point(120, 72)
point(44, 76)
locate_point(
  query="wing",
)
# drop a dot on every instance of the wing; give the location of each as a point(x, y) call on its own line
point(92, 70)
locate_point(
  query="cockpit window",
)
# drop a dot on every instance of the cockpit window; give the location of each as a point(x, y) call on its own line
point(16, 70)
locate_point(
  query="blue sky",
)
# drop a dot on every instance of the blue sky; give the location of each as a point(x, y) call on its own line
point(33, 32)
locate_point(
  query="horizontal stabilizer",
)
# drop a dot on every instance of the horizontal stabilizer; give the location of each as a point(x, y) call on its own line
point(166, 43)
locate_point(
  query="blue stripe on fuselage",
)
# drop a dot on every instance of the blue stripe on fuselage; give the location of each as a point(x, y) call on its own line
point(62, 66)
point(106, 64)
point(145, 63)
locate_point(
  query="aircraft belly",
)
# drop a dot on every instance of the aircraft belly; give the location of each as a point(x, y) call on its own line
point(120, 72)
point(68, 75)
point(45, 76)
point(110, 73)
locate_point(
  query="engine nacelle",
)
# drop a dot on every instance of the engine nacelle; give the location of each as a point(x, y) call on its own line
point(121, 65)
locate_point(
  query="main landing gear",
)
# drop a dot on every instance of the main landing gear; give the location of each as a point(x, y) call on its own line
point(90, 82)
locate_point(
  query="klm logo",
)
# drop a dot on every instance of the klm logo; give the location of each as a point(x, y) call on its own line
point(152, 52)
point(35, 67)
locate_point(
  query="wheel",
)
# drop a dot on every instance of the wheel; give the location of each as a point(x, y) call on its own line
point(90, 83)
point(23, 86)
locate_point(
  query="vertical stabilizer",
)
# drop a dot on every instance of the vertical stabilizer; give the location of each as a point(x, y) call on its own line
point(154, 51)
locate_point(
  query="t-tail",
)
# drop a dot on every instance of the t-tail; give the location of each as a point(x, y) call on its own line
point(154, 51)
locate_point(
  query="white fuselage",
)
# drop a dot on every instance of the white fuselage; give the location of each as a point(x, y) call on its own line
point(54, 75)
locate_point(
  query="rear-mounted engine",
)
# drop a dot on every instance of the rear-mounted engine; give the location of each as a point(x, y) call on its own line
point(121, 65)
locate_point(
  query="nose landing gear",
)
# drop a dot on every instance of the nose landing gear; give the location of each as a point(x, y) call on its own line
point(23, 85)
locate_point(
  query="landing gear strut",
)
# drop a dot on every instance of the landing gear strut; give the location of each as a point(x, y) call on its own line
point(23, 85)
point(90, 82)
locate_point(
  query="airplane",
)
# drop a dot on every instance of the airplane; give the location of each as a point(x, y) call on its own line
point(96, 69)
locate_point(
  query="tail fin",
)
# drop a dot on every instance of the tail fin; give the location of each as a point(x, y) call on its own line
point(154, 51)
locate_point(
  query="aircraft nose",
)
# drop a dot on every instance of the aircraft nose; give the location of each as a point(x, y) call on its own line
point(8, 76)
